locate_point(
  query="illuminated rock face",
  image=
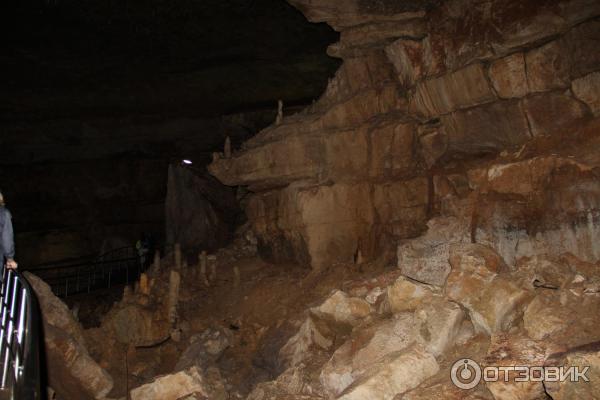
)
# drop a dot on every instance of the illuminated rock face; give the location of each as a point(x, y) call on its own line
point(427, 95)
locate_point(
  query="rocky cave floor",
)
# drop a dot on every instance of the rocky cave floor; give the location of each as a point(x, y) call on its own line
point(253, 319)
point(349, 332)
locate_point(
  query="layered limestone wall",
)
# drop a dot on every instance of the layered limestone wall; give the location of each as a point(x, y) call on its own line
point(428, 95)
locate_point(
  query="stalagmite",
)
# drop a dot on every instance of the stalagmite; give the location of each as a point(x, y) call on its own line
point(203, 263)
point(177, 256)
point(157, 261)
point(213, 267)
point(279, 112)
point(236, 277)
point(227, 148)
point(173, 299)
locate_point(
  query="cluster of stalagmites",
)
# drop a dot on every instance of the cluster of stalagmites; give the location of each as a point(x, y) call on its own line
point(139, 333)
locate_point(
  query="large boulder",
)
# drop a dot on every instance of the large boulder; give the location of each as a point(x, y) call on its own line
point(298, 347)
point(204, 349)
point(579, 387)
point(476, 282)
point(72, 372)
point(190, 382)
point(367, 348)
point(341, 309)
point(397, 373)
point(425, 259)
point(434, 325)
point(406, 295)
point(514, 350)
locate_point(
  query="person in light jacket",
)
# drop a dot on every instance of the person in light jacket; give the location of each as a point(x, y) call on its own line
point(7, 240)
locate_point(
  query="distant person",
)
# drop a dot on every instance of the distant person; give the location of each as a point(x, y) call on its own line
point(142, 247)
point(7, 240)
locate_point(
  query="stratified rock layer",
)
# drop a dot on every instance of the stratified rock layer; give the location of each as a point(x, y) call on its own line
point(426, 91)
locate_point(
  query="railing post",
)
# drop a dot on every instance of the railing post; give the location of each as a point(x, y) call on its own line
point(77, 277)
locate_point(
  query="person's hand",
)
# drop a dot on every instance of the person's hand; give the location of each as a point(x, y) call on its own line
point(11, 264)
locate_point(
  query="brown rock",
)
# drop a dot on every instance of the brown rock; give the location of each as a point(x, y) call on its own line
point(552, 112)
point(494, 302)
point(367, 348)
point(580, 389)
point(548, 67)
point(273, 164)
point(503, 223)
point(425, 259)
point(407, 58)
point(486, 128)
point(397, 373)
point(446, 391)
point(433, 143)
point(464, 88)
point(441, 322)
point(362, 39)
point(405, 295)
point(575, 11)
point(567, 317)
point(72, 373)
point(197, 210)
point(133, 324)
point(332, 233)
point(297, 348)
point(392, 146)
point(401, 206)
point(587, 89)
point(364, 106)
point(582, 45)
point(508, 76)
point(509, 350)
point(348, 13)
point(346, 154)
point(204, 349)
point(522, 23)
point(173, 387)
point(545, 316)
point(341, 309)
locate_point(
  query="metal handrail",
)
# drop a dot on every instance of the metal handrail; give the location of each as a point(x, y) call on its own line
point(122, 265)
point(19, 338)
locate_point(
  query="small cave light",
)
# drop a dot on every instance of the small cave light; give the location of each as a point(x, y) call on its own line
point(187, 162)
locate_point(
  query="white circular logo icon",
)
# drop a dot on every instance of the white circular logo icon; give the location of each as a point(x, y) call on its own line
point(465, 374)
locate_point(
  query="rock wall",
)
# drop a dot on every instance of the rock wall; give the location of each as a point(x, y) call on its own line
point(430, 93)
point(200, 212)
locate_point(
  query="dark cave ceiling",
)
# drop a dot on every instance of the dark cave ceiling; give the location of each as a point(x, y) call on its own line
point(94, 58)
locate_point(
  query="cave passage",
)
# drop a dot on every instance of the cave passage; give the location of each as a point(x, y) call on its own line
point(300, 200)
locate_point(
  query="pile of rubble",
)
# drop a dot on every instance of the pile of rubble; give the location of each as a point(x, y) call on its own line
point(399, 341)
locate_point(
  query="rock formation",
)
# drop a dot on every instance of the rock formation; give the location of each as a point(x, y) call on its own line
point(72, 372)
point(199, 212)
point(427, 95)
